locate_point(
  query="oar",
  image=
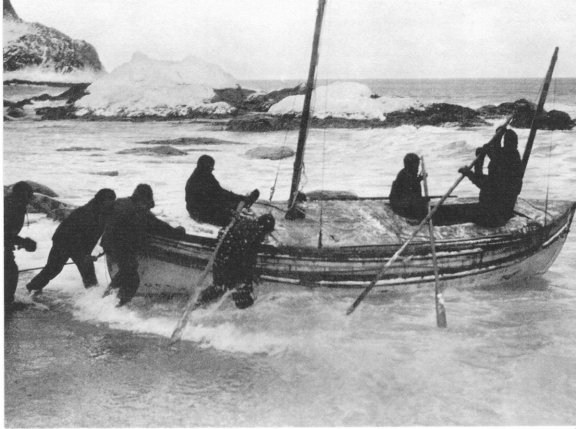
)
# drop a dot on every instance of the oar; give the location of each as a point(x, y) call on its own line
point(190, 305)
point(440, 309)
point(93, 258)
point(368, 288)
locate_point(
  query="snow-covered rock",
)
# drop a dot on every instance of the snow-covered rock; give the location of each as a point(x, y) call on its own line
point(35, 52)
point(147, 87)
point(270, 152)
point(348, 100)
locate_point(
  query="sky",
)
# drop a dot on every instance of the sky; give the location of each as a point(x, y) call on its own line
point(361, 39)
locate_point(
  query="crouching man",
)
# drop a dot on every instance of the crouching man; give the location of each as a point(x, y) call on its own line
point(125, 237)
point(235, 262)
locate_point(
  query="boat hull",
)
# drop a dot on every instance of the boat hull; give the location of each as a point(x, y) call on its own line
point(170, 267)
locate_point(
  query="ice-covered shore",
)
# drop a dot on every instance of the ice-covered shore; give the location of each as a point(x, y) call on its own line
point(148, 87)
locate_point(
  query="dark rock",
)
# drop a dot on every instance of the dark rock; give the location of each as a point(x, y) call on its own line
point(47, 48)
point(247, 100)
point(436, 114)
point(558, 120)
point(113, 173)
point(233, 96)
point(185, 141)
point(157, 150)
point(64, 55)
point(260, 122)
point(263, 102)
point(9, 12)
point(57, 113)
point(74, 93)
point(78, 149)
point(269, 152)
point(16, 112)
point(523, 114)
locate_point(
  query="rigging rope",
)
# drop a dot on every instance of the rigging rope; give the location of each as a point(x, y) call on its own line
point(323, 166)
point(549, 157)
point(279, 163)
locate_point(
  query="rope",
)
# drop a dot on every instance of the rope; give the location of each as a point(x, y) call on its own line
point(323, 169)
point(549, 157)
point(279, 163)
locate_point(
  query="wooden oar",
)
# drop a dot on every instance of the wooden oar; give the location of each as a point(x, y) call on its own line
point(440, 309)
point(190, 305)
point(368, 288)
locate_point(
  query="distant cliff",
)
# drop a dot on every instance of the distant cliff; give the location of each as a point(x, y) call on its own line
point(33, 46)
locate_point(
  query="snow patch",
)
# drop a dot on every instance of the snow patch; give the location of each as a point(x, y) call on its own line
point(148, 87)
point(349, 100)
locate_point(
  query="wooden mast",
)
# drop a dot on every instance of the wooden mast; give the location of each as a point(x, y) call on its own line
point(538, 113)
point(299, 160)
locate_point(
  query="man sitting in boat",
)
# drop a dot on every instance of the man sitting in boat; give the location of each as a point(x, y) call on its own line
point(499, 188)
point(406, 194)
point(235, 262)
point(206, 200)
point(125, 236)
point(75, 238)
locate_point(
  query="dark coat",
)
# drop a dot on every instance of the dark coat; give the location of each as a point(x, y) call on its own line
point(14, 214)
point(127, 227)
point(406, 196)
point(81, 230)
point(499, 188)
point(235, 260)
point(207, 201)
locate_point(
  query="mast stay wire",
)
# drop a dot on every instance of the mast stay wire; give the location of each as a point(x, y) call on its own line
point(549, 157)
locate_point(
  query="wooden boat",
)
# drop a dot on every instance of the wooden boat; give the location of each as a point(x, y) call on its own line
point(467, 254)
point(361, 235)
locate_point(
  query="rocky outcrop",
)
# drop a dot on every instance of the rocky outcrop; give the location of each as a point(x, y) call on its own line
point(112, 173)
point(523, 112)
point(35, 45)
point(269, 152)
point(436, 114)
point(248, 100)
point(156, 150)
point(79, 149)
point(189, 141)
point(57, 113)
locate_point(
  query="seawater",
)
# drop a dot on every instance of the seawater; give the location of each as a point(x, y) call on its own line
point(508, 356)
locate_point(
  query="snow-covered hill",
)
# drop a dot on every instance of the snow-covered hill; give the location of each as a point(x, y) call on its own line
point(35, 52)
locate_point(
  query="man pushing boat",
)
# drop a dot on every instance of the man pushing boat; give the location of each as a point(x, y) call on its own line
point(125, 236)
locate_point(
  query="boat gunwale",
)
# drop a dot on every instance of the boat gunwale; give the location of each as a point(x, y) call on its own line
point(377, 251)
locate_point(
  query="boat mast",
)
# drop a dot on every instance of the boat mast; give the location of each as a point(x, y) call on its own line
point(299, 160)
point(538, 113)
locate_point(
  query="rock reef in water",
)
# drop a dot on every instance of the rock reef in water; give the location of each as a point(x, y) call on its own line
point(78, 149)
point(156, 150)
point(270, 152)
point(189, 141)
point(112, 173)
